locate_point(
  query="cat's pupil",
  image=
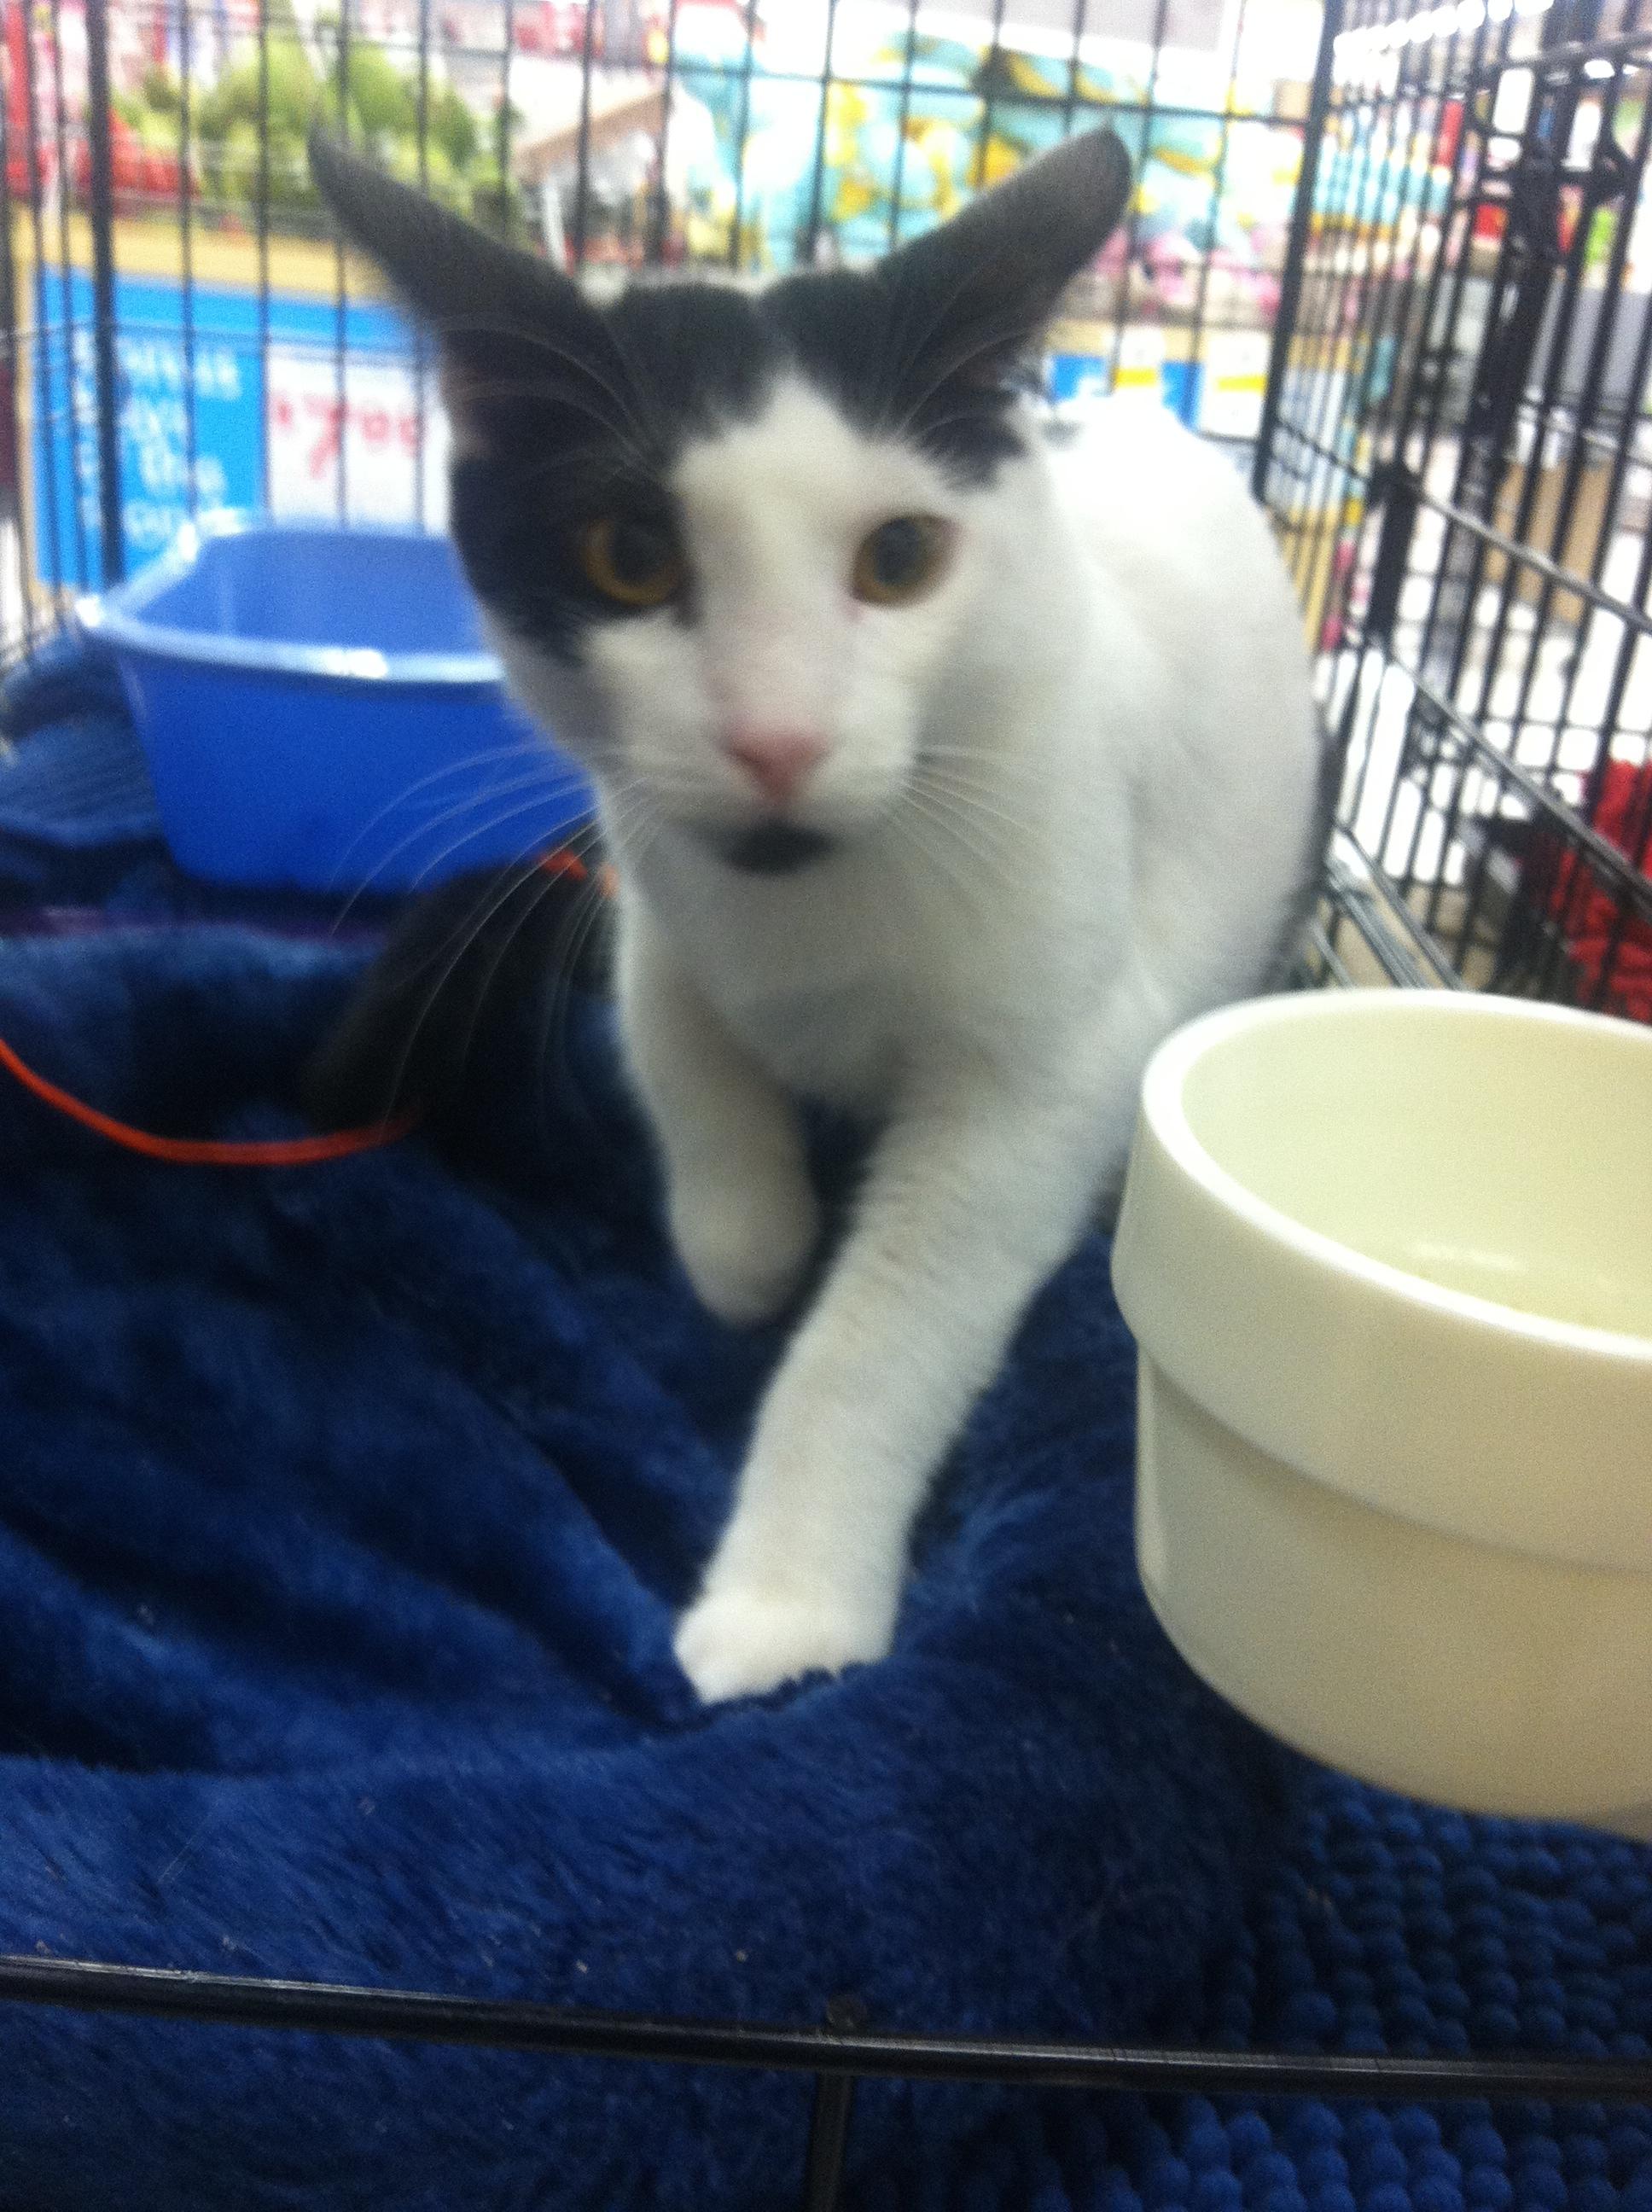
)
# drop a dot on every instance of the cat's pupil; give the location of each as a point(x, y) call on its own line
point(639, 550)
point(898, 553)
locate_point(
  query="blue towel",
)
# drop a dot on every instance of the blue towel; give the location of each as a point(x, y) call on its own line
point(343, 1515)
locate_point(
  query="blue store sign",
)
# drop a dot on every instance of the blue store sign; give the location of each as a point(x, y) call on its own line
point(222, 362)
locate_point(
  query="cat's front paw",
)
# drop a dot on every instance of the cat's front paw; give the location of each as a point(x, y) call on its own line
point(746, 1243)
point(744, 1638)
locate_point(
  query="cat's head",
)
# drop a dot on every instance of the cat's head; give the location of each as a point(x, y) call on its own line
point(731, 541)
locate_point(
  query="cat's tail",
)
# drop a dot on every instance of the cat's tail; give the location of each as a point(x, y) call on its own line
point(485, 954)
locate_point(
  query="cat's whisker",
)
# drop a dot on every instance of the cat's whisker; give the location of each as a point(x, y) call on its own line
point(500, 389)
point(467, 764)
point(1005, 336)
point(487, 906)
point(484, 988)
point(583, 919)
point(936, 862)
point(544, 789)
point(539, 341)
point(979, 803)
point(940, 309)
point(630, 842)
point(989, 768)
point(950, 821)
point(537, 800)
point(984, 767)
point(638, 381)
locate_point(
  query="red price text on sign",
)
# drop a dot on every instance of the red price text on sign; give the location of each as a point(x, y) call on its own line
point(324, 422)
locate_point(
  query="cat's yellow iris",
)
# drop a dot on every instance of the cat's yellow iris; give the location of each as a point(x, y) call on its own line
point(636, 563)
point(901, 560)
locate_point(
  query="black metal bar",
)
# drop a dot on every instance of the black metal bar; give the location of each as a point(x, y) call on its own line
point(1131, 218)
point(65, 289)
point(736, 245)
point(829, 2119)
point(1364, 906)
point(187, 252)
point(46, 405)
point(1581, 836)
point(897, 184)
point(261, 221)
point(1295, 252)
point(502, 2024)
point(1500, 366)
point(1453, 244)
point(659, 212)
point(1501, 376)
point(15, 507)
point(1553, 573)
point(1504, 366)
point(102, 211)
point(1586, 405)
point(1565, 58)
point(817, 181)
point(1332, 964)
point(421, 343)
point(506, 194)
point(1323, 490)
point(577, 241)
point(1218, 186)
point(1390, 284)
point(1075, 56)
point(1098, 108)
point(984, 132)
point(341, 295)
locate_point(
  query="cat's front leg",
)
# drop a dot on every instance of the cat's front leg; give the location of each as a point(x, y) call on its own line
point(742, 1214)
point(972, 1201)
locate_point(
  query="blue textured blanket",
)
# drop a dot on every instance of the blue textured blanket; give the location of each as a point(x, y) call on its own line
point(342, 1512)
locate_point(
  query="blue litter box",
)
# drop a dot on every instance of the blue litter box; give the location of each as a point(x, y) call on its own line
point(320, 711)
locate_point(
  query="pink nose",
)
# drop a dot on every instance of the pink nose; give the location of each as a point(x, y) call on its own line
point(777, 760)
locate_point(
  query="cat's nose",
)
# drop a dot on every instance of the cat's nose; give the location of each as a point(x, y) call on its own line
point(777, 760)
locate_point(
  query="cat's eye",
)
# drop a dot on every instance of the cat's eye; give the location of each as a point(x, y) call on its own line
point(902, 559)
point(635, 562)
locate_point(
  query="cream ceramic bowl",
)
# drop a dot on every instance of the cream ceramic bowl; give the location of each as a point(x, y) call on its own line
point(1388, 1257)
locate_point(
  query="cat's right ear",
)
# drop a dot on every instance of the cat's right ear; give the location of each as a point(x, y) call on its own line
point(985, 284)
point(509, 327)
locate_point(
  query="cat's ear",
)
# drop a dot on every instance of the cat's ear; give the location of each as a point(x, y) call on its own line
point(992, 276)
point(509, 327)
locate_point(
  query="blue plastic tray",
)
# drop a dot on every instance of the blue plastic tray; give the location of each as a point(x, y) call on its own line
point(320, 711)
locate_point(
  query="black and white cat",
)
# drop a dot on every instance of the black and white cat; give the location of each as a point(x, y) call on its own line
point(946, 770)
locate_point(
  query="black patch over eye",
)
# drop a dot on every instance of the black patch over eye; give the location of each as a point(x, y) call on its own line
point(632, 560)
point(902, 559)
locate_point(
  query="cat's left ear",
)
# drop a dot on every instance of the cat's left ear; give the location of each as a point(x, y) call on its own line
point(992, 276)
point(514, 333)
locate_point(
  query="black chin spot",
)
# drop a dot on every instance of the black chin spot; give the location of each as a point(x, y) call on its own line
point(774, 848)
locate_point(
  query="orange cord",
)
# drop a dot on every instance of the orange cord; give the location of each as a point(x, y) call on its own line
point(207, 1151)
point(277, 1151)
point(561, 862)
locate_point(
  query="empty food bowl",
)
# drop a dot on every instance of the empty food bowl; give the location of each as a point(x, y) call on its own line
point(1388, 1257)
point(319, 710)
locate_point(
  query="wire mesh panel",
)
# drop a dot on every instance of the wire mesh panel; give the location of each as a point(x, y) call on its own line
point(181, 330)
point(1462, 469)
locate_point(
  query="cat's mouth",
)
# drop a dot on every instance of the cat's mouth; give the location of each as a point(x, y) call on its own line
point(772, 849)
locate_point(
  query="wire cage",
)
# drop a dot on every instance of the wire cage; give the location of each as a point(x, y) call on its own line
point(1388, 258)
point(183, 330)
point(1460, 466)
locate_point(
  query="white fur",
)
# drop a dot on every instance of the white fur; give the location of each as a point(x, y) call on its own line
point(1074, 788)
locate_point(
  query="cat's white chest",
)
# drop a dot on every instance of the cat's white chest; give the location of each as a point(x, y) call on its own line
point(838, 986)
